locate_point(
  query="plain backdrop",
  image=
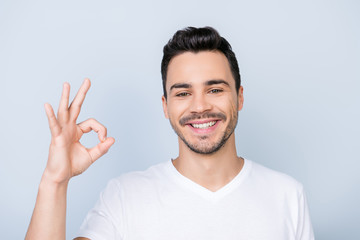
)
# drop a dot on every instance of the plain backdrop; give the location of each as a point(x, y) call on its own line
point(299, 62)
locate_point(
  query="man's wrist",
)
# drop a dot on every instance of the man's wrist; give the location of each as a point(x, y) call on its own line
point(50, 180)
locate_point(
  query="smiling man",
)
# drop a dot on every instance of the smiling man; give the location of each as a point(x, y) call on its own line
point(207, 192)
point(202, 104)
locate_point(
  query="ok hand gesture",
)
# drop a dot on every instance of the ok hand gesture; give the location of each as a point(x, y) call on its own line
point(67, 156)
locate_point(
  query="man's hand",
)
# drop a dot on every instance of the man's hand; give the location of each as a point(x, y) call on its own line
point(67, 156)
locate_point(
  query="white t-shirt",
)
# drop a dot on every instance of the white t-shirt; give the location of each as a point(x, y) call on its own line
point(162, 204)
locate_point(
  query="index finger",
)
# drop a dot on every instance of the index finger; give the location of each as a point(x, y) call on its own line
point(76, 104)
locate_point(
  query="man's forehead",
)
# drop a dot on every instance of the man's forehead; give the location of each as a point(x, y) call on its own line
point(201, 66)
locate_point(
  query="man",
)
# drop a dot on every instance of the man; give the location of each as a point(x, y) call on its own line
point(207, 192)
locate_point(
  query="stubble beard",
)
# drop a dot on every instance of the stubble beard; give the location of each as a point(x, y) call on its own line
point(203, 146)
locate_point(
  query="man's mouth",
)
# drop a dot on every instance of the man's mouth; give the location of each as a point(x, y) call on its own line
point(202, 121)
point(203, 125)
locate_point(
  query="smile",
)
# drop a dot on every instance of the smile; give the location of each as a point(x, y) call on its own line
point(203, 125)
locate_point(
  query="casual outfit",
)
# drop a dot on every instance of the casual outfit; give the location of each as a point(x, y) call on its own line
point(162, 204)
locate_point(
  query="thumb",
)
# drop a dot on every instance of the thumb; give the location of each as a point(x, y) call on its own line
point(100, 149)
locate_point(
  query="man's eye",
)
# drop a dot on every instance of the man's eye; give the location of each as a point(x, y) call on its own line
point(182, 94)
point(215, 90)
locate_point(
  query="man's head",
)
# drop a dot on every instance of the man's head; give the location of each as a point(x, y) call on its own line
point(201, 95)
point(195, 40)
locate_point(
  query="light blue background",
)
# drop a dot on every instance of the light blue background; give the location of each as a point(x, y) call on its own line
point(299, 63)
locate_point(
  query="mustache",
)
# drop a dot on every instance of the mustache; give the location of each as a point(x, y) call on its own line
point(195, 116)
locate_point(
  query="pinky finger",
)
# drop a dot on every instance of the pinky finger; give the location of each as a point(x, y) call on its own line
point(53, 123)
point(100, 149)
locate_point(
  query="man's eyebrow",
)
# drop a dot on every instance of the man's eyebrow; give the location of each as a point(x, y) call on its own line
point(216, 81)
point(180, 85)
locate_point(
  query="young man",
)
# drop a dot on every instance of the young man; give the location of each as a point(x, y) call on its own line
point(207, 192)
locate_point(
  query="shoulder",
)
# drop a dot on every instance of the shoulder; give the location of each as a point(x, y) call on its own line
point(274, 179)
point(136, 179)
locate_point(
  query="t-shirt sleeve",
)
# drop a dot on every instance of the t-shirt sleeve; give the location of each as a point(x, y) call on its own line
point(103, 222)
point(304, 228)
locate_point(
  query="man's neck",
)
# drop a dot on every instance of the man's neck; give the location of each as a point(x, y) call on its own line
point(212, 171)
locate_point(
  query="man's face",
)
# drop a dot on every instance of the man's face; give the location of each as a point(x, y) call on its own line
point(202, 103)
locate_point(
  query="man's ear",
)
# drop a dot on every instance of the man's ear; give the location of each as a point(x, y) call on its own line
point(164, 103)
point(241, 98)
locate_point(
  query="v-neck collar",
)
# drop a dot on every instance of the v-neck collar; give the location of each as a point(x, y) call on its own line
point(204, 192)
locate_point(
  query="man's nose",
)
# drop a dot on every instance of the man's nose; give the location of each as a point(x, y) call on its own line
point(200, 104)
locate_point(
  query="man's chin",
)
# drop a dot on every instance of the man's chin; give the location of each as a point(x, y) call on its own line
point(204, 148)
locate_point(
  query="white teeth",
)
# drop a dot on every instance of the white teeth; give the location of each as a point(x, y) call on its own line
point(204, 125)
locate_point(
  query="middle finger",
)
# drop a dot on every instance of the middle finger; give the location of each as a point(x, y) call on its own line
point(78, 100)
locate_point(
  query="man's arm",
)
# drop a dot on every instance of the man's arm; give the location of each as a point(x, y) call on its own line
point(67, 158)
